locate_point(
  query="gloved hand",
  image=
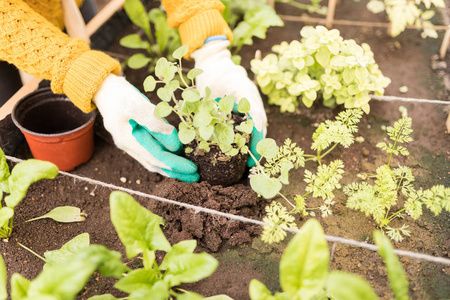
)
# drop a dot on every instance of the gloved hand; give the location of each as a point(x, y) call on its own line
point(224, 77)
point(128, 116)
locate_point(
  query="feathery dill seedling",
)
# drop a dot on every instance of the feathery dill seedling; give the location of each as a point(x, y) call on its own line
point(267, 178)
point(392, 184)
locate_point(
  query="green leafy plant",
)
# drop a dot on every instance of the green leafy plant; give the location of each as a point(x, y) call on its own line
point(403, 13)
point(68, 269)
point(140, 232)
point(204, 121)
point(16, 184)
point(304, 271)
point(379, 193)
point(64, 279)
point(248, 19)
point(322, 65)
point(267, 178)
point(158, 40)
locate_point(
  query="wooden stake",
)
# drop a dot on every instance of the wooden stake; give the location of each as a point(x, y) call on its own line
point(104, 15)
point(73, 20)
point(445, 44)
point(447, 124)
point(29, 87)
point(272, 3)
point(330, 14)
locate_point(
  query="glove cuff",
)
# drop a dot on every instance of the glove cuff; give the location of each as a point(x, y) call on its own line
point(85, 76)
point(197, 29)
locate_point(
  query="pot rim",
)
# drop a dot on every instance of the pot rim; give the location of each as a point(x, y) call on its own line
point(46, 90)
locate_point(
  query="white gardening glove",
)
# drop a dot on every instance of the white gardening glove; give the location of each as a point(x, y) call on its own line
point(224, 77)
point(128, 116)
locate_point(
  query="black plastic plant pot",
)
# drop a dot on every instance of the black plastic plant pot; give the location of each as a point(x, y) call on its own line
point(218, 168)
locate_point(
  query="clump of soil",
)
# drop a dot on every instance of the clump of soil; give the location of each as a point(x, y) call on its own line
point(210, 230)
point(217, 168)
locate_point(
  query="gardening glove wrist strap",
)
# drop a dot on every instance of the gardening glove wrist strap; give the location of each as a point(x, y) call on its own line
point(128, 116)
point(224, 77)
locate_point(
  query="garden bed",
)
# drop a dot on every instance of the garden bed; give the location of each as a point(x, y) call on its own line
point(407, 60)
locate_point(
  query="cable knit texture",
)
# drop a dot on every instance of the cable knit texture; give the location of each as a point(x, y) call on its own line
point(196, 20)
point(51, 10)
point(38, 47)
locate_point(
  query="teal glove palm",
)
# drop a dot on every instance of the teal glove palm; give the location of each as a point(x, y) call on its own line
point(224, 77)
point(128, 116)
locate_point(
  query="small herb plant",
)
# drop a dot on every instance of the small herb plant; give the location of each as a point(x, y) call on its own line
point(204, 121)
point(16, 184)
point(248, 19)
point(404, 13)
point(68, 269)
point(304, 271)
point(159, 40)
point(267, 178)
point(322, 65)
point(377, 194)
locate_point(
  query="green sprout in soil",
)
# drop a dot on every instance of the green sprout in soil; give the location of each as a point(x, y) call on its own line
point(16, 184)
point(67, 270)
point(305, 274)
point(378, 194)
point(205, 122)
point(272, 171)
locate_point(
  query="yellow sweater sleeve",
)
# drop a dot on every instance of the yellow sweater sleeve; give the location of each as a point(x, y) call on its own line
point(36, 46)
point(196, 20)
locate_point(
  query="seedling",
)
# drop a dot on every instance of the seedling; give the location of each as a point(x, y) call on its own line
point(404, 13)
point(206, 123)
point(267, 179)
point(304, 271)
point(16, 184)
point(377, 197)
point(248, 19)
point(322, 65)
point(68, 269)
point(203, 120)
point(158, 41)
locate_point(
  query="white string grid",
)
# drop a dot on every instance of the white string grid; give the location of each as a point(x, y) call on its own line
point(426, 257)
point(395, 98)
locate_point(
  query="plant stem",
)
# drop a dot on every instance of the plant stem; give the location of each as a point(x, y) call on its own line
point(392, 152)
point(284, 197)
point(391, 217)
point(310, 157)
point(28, 249)
point(156, 267)
point(180, 72)
point(325, 154)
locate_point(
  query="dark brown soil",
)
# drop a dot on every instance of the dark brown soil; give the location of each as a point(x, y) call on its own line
point(217, 168)
point(242, 256)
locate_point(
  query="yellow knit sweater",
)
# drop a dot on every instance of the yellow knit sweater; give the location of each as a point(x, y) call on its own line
point(32, 40)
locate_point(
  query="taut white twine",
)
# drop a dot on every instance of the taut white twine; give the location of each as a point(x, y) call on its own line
point(395, 98)
point(426, 257)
